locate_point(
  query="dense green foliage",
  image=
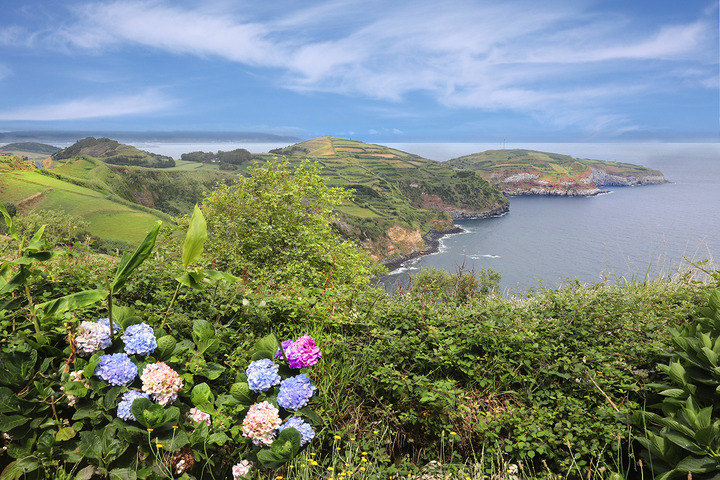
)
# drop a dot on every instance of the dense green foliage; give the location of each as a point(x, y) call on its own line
point(683, 438)
point(273, 227)
point(231, 158)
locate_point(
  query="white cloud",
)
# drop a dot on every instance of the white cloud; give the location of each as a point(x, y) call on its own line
point(91, 107)
point(520, 55)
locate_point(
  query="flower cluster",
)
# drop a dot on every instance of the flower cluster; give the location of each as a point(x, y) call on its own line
point(91, 337)
point(139, 339)
point(199, 416)
point(295, 392)
point(300, 353)
point(241, 469)
point(124, 410)
point(306, 431)
point(162, 382)
point(262, 374)
point(260, 423)
point(116, 369)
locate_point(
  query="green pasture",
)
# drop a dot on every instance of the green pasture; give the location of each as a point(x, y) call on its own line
point(107, 219)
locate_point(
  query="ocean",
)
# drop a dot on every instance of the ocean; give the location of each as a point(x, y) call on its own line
point(629, 233)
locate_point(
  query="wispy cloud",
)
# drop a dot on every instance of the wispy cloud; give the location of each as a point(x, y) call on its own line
point(511, 55)
point(148, 101)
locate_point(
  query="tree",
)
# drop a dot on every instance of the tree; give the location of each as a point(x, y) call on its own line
point(273, 227)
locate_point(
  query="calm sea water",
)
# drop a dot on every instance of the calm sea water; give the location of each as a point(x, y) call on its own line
point(632, 232)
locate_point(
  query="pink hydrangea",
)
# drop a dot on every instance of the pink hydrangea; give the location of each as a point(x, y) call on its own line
point(162, 382)
point(261, 422)
point(241, 469)
point(303, 352)
point(199, 416)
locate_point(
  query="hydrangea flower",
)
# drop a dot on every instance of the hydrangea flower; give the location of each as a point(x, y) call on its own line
point(303, 352)
point(241, 469)
point(285, 345)
point(162, 382)
point(139, 339)
point(262, 374)
point(199, 416)
point(260, 423)
point(124, 410)
point(295, 392)
point(106, 322)
point(91, 337)
point(306, 431)
point(116, 369)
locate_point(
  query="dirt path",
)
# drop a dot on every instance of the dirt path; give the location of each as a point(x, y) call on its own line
point(27, 204)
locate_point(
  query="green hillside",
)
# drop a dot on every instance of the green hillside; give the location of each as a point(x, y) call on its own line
point(173, 191)
point(398, 195)
point(108, 218)
point(519, 171)
point(30, 147)
point(111, 151)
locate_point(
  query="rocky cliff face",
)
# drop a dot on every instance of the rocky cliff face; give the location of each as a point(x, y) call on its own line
point(603, 178)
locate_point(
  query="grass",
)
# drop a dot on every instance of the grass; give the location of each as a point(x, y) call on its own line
point(107, 219)
point(186, 165)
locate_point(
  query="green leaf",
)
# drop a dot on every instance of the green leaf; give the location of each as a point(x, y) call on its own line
point(75, 388)
point(267, 344)
point(696, 465)
point(714, 300)
point(9, 402)
point(65, 433)
point(684, 443)
point(218, 438)
point(203, 330)
point(9, 223)
point(195, 238)
point(203, 398)
point(71, 302)
point(123, 474)
point(241, 392)
point(165, 347)
point(17, 281)
point(215, 276)
point(128, 263)
point(147, 413)
point(87, 473)
point(211, 371)
point(8, 422)
point(19, 468)
point(192, 280)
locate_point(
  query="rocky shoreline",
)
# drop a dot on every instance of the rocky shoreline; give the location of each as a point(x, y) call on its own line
point(432, 241)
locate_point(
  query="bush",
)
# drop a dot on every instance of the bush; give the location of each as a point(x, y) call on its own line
point(273, 228)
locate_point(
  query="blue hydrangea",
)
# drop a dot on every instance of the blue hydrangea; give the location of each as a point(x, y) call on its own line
point(306, 431)
point(124, 410)
point(116, 369)
point(106, 322)
point(295, 392)
point(262, 374)
point(139, 339)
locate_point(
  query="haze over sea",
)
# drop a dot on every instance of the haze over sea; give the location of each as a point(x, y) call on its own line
point(629, 232)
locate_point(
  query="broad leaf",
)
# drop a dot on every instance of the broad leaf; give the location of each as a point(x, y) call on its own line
point(129, 263)
point(203, 398)
point(71, 302)
point(195, 238)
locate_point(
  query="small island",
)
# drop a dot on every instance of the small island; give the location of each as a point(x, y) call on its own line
point(529, 172)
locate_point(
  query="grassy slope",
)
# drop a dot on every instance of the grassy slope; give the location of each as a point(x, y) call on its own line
point(108, 219)
point(110, 151)
point(552, 167)
point(30, 147)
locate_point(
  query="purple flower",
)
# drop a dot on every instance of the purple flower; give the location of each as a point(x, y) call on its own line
point(306, 431)
point(295, 392)
point(303, 352)
point(116, 369)
point(106, 322)
point(262, 374)
point(124, 410)
point(139, 339)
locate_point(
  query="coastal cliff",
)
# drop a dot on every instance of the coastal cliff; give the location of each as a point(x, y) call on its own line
point(529, 172)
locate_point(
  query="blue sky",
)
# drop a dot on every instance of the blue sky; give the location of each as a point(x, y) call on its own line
point(373, 70)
